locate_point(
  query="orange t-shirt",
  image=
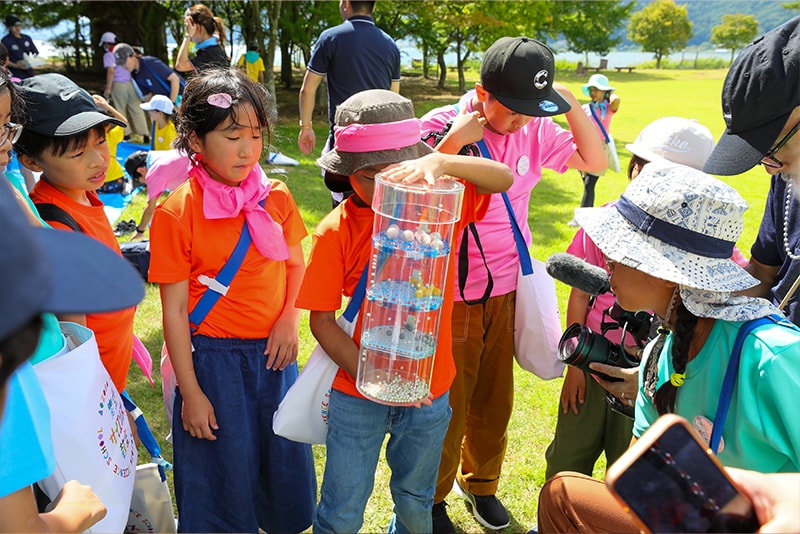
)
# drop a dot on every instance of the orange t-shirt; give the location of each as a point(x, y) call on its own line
point(184, 245)
point(341, 249)
point(113, 330)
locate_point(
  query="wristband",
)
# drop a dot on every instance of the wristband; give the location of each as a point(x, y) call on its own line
point(139, 230)
point(305, 126)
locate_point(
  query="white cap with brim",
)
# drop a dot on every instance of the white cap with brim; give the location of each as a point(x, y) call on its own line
point(674, 139)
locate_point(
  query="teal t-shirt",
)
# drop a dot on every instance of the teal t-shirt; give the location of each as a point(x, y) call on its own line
point(51, 341)
point(762, 430)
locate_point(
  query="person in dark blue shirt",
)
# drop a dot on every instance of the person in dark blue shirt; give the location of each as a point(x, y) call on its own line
point(18, 45)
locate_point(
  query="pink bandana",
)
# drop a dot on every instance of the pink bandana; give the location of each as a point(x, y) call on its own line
point(222, 201)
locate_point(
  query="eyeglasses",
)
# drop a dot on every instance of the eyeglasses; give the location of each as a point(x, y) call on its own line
point(10, 131)
point(769, 159)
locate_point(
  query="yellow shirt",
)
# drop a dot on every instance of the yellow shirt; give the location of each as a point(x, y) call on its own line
point(252, 69)
point(163, 137)
point(114, 136)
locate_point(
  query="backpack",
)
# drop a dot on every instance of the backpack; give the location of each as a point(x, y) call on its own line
point(136, 252)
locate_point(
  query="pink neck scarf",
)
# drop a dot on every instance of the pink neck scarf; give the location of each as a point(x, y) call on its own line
point(222, 201)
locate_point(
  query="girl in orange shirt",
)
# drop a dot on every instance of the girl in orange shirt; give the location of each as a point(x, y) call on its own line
point(233, 367)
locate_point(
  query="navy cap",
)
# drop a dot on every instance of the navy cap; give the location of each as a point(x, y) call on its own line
point(46, 270)
point(760, 92)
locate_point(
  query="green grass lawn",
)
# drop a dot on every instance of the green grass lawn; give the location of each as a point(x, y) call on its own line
point(646, 95)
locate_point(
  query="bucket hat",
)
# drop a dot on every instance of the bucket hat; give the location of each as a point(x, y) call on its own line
point(46, 270)
point(159, 103)
point(674, 139)
point(598, 81)
point(761, 90)
point(58, 107)
point(674, 223)
point(108, 37)
point(395, 137)
point(519, 72)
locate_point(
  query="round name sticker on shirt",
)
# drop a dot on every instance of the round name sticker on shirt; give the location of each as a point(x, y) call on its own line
point(703, 426)
point(523, 164)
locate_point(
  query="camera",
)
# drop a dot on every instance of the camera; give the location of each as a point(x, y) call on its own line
point(580, 345)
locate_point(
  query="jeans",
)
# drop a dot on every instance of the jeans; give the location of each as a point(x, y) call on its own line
point(356, 428)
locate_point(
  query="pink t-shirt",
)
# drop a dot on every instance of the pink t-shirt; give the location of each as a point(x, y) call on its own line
point(605, 120)
point(584, 248)
point(166, 170)
point(541, 143)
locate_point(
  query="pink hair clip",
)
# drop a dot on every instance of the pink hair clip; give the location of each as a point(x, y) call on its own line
point(221, 100)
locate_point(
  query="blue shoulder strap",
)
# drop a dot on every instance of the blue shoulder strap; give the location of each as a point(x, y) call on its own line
point(600, 124)
point(522, 248)
point(358, 296)
point(729, 381)
point(218, 287)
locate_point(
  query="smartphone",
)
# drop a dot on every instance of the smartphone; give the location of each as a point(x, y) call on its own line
point(670, 481)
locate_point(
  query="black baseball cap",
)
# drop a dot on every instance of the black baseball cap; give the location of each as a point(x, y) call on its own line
point(760, 92)
point(46, 270)
point(56, 106)
point(12, 20)
point(134, 161)
point(519, 72)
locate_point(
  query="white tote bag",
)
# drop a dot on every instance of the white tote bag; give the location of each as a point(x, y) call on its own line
point(303, 413)
point(151, 505)
point(611, 154)
point(537, 324)
point(92, 439)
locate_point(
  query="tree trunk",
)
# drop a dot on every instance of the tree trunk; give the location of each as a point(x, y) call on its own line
point(425, 69)
point(273, 14)
point(442, 69)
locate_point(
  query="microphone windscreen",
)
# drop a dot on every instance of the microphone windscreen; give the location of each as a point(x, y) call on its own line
point(578, 273)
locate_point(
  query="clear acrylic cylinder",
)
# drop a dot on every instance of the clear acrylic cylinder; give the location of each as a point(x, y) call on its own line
point(412, 233)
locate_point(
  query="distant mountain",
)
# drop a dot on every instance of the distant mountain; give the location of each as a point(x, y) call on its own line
point(705, 14)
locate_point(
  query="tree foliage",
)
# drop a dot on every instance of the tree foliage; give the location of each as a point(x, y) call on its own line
point(591, 26)
point(734, 32)
point(661, 27)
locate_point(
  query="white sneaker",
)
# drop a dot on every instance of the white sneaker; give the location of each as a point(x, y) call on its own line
point(276, 158)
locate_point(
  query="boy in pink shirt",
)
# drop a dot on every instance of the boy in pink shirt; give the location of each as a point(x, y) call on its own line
point(510, 111)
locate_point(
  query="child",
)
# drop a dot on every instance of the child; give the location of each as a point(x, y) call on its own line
point(232, 473)
point(385, 132)
point(65, 140)
point(510, 111)
point(252, 64)
point(601, 109)
point(668, 242)
point(160, 109)
point(586, 423)
point(41, 267)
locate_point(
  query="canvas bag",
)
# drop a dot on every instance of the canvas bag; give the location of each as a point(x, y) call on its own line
point(93, 442)
point(609, 147)
point(151, 505)
point(302, 415)
point(537, 323)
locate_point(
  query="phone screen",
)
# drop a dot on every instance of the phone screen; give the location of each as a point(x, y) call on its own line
point(675, 486)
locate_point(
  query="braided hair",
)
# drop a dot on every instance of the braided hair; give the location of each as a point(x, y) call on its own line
point(683, 334)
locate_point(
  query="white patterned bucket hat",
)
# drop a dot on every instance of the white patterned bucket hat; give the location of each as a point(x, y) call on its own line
point(674, 223)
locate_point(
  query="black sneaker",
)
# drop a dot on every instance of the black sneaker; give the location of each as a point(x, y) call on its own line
point(487, 509)
point(145, 139)
point(441, 521)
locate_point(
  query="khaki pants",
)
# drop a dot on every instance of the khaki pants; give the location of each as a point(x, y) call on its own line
point(572, 502)
point(126, 101)
point(482, 396)
point(579, 439)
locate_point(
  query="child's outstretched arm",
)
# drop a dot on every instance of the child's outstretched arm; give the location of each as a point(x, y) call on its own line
point(197, 412)
point(589, 156)
point(103, 105)
point(487, 175)
point(283, 337)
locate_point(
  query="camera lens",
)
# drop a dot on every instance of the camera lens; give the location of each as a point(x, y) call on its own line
point(572, 347)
